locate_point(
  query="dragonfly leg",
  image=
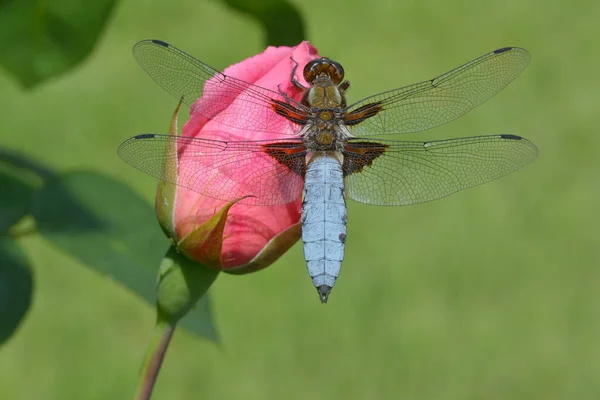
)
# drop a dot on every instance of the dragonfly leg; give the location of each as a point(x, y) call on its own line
point(343, 87)
point(284, 94)
point(294, 81)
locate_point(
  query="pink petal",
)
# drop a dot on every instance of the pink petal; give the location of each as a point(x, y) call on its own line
point(248, 228)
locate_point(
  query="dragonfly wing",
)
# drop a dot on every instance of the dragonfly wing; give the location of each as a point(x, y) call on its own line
point(437, 101)
point(399, 173)
point(271, 171)
point(224, 99)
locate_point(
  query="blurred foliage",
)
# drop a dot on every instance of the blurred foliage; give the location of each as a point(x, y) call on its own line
point(108, 227)
point(14, 202)
point(492, 293)
point(96, 219)
point(280, 20)
point(19, 178)
point(42, 39)
point(16, 286)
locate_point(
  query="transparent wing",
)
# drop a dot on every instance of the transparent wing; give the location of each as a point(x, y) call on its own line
point(270, 171)
point(225, 99)
point(440, 100)
point(399, 173)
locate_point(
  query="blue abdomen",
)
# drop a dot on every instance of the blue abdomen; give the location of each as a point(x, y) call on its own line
point(324, 221)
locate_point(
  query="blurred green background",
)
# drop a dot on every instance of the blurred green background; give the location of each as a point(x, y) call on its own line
point(490, 294)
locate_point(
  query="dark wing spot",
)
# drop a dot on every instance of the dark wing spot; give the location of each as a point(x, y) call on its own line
point(502, 50)
point(362, 113)
point(342, 238)
point(290, 155)
point(358, 155)
point(145, 136)
point(511, 137)
point(160, 43)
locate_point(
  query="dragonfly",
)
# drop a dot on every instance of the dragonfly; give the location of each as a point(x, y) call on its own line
point(324, 152)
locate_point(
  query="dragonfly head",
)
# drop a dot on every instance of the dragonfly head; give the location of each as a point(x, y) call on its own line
point(323, 66)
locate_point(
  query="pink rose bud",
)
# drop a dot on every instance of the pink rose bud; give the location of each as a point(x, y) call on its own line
point(227, 236)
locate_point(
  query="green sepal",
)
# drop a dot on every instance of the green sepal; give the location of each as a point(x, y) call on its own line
point(181, 283)
point(277, 246)
point(205, 242)
point(166, 193)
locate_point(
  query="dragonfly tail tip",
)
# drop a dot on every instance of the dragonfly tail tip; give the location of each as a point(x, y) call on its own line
point(324, 291)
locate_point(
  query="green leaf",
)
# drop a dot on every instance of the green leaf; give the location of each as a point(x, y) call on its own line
point(281, 20)
point(29, 168)
point(19, 178)
point(104, 224)
point(41, 39)
point(14, 201)
point(16, 284)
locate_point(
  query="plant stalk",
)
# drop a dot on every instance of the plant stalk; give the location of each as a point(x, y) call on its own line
point(155, 354)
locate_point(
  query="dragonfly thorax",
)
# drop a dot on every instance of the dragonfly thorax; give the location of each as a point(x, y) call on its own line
point(326, 130)
point(326, 99)
point(324, 94)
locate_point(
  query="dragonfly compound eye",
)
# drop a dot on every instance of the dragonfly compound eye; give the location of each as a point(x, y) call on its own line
point(324, 66)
